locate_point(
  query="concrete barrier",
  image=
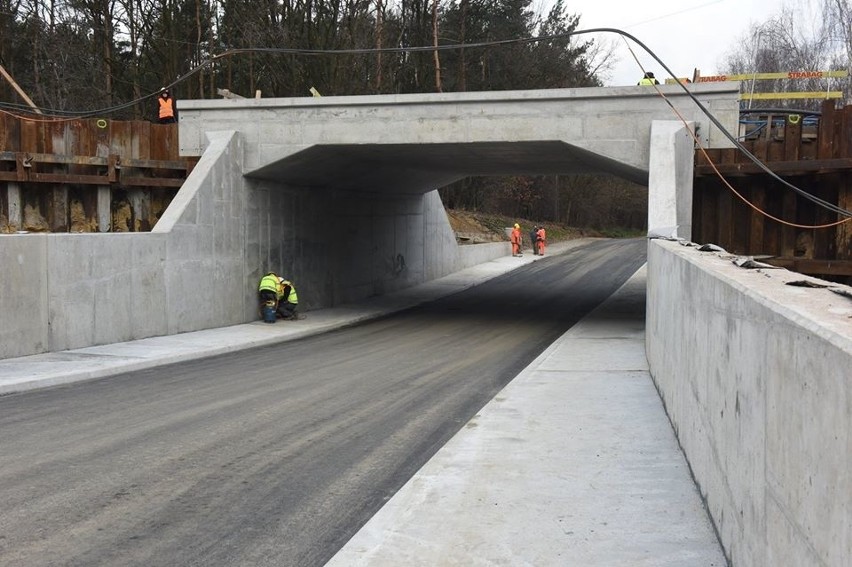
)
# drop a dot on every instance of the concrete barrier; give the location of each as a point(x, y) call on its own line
point(475, 254)
point(755, 376)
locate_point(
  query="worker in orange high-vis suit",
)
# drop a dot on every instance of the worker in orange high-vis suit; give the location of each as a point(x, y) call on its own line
point(166, 111)
point(516, 240)
point(540, 239)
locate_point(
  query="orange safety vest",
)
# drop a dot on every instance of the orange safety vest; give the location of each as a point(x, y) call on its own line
point(167, 107)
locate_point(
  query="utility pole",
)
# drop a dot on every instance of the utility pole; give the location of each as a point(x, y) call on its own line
point(18, 89)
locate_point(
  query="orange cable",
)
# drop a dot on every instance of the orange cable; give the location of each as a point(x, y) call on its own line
point(719, 174)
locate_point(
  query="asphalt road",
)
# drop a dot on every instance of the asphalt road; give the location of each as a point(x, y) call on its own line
point(275, 456)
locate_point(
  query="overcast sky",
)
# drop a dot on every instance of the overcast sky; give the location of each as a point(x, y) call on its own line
point(685, 34)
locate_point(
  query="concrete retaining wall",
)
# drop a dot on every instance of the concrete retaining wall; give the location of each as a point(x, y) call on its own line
point(755, 376)
point(200, 265)
point(475, 254)
point(68, 291)
point(341, 246)
point(63, 291)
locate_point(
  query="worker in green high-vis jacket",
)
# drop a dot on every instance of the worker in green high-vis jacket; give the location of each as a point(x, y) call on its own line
point(289, 300)
point(269, 293)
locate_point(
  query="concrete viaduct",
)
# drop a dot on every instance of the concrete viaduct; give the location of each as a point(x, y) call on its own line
point(339, 193)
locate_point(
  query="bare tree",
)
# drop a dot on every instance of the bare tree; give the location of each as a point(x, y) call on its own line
point(837, 15)
point(379, 34)
point(783, 43)
point(8, 28)
point(601, 58)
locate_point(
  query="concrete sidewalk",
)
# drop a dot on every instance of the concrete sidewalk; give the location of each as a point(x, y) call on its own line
point(574, 463)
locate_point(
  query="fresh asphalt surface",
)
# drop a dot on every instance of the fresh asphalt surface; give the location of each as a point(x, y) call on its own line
point(277, 455)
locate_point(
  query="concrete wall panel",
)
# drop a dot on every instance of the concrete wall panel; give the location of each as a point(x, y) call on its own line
point(105, 288)
point(23, 295)
point(148, 306)
point(442, 253)
point(754, 376)
point(411, 265)
point(85, 275)
point(113, 308)
point(72, 316)
point(804, 448)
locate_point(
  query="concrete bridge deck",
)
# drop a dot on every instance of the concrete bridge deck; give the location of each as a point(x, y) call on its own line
point(414, 143)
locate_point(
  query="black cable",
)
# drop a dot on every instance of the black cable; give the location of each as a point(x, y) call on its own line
point(753, 132)
point(830, 206)
point(801, 111)
point(495, 43)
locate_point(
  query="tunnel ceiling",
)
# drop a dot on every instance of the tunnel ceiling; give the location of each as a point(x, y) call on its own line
point(419, 168)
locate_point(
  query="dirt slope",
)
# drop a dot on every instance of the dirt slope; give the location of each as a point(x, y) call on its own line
point(475, 228)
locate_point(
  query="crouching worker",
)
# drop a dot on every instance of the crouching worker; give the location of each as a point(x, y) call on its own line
point(288, 300)
point(269, 292)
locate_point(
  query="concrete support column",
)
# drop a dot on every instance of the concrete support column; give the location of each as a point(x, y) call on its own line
point(13, 198)
point(104, 209)
point(670, 176)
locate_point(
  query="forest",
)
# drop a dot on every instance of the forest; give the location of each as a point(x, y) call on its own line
point(110, 57)
point(83, 55)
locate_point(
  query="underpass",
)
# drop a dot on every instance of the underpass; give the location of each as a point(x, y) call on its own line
point(752, 371)
point(340, 194)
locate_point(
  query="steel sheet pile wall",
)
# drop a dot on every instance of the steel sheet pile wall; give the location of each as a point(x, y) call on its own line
point(92, 175)
point(815, 158)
